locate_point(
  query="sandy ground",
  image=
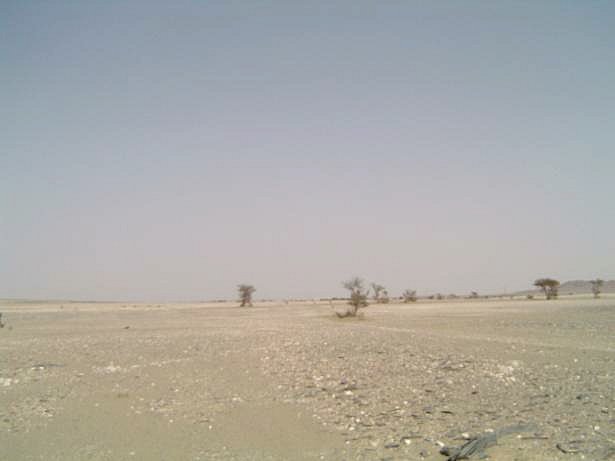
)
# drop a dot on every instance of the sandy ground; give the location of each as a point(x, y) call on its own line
point(113, 381)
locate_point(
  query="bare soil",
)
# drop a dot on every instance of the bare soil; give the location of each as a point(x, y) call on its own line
point(117, 381)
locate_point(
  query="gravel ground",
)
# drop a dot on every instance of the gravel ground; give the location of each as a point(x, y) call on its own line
point(113, 381)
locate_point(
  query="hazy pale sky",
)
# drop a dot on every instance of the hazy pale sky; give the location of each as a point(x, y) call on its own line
point(162, 150)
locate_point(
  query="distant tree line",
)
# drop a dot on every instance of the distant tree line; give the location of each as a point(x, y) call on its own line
point(359, 294)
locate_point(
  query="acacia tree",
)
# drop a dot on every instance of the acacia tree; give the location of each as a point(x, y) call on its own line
point(245, 294)
point(548, 286)
point(358, 296)
point(597, 287)
point(409, 296)
point(378, 290)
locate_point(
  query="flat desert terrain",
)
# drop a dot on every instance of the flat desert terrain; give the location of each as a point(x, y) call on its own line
point(120, 381)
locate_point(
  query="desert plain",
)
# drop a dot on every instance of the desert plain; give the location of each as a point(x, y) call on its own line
point(290, 381)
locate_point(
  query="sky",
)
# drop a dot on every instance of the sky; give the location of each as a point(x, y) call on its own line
point(154, 150)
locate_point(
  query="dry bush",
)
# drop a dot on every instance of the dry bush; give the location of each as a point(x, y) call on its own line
point(377, 290)
point(381, 295)
point(245, 294)
point(597, 287)
point(409, 296)
point(358, 297)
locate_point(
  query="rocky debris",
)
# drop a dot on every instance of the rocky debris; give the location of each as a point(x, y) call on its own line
point(477, 445)
point(111, 368)
point(401, 380)
point(6, 382)
point(564, 448)
point(400, 384)
point(44, 366)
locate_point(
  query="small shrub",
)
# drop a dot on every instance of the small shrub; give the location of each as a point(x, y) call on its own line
point(377, 291)
point(358, 297)
point(409, 296)
point(597, 287)
point(245, 294)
